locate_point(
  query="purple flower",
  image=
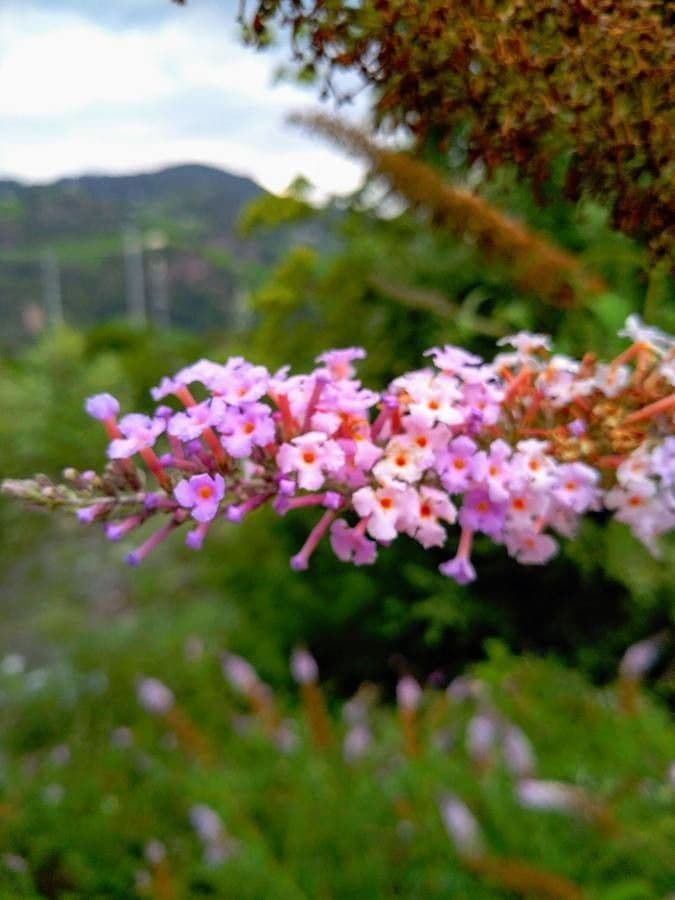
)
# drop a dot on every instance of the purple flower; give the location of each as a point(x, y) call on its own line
point(455, 465)
point(102, 406)
point(139, 432)
point(480, 513)
point(195, 538)
point(201, 494)
point(460, 569)
point(89, 514)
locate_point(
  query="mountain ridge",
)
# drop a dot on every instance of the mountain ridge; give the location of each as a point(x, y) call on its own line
point(76, 233)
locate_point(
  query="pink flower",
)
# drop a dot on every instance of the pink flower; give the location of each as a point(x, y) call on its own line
point(201, 494)
point(482, 403)
point(351, 545)
point(530, 548)
point(246, 385)
point(191, 424)
point(361, 451)
point(384, 508)
point(492, 470)
point(525, 508)
point(636, 469)
point(338, 362)
point(243, 430)
point(426, 527)
point(576, 486)
point(139, 432)
point(311, 456)
point(436, 399)
point(426, 440)
point(532, 467)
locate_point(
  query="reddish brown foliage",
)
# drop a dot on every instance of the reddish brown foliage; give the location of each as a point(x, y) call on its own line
point(531, 79)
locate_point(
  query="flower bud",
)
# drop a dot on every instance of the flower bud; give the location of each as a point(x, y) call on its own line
point(408, 693)
point(239, 673)
point(102, 406)
point(303, 667)
point(461, 825)
point(154, 696)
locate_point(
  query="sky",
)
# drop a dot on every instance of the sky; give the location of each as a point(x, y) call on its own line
point(126, 86)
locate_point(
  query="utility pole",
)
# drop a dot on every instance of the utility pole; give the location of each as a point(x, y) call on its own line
point(51, 287)
point(134, 278)
point(159, 290)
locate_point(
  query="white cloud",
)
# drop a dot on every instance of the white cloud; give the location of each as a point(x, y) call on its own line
point(76, 96)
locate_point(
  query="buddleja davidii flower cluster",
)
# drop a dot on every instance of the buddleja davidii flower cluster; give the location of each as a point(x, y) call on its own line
point(517, 449)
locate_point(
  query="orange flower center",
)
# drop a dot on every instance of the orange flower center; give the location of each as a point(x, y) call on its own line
point(309, 457)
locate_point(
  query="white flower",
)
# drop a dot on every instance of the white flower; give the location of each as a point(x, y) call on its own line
point(402, 462)
point(637, 331)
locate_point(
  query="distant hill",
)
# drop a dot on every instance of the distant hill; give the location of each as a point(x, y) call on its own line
point(80, 237)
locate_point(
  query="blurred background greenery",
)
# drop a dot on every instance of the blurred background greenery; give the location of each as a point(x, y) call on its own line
point(279, 280)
